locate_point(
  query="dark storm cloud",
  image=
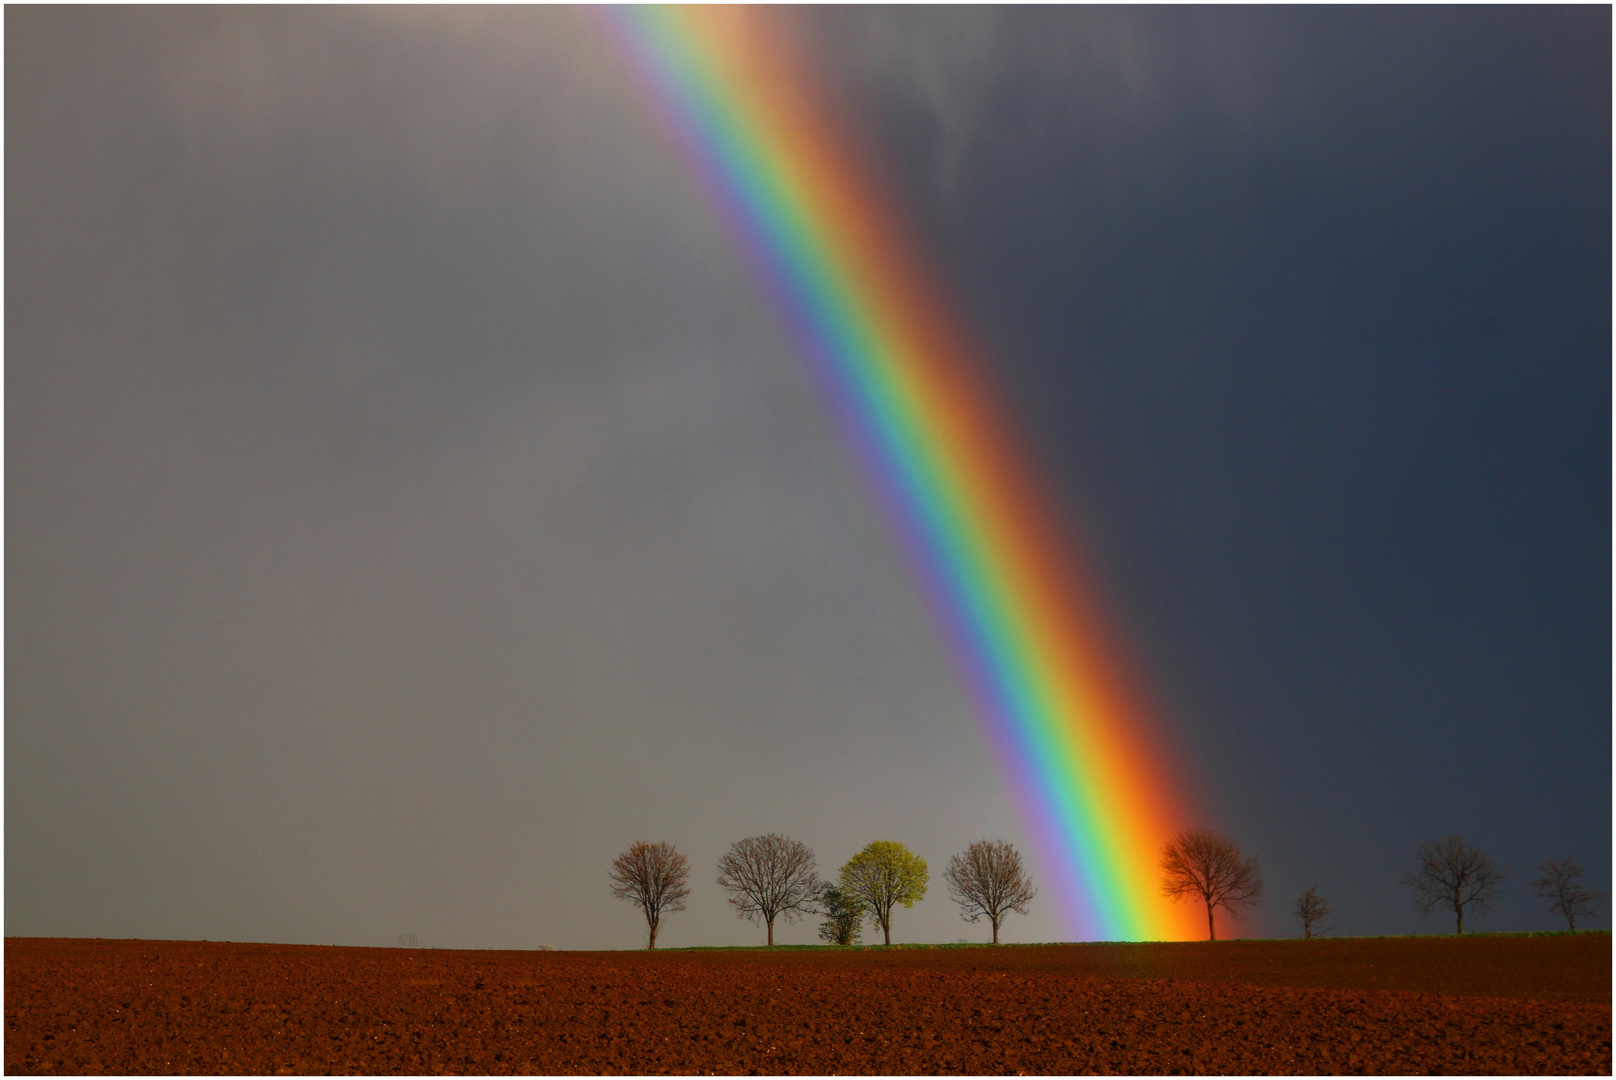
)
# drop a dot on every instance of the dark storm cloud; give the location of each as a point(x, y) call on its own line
point(1308, 312)
point(411, 502)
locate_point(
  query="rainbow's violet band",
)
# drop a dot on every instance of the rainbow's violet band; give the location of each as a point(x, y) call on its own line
point(1037, 661)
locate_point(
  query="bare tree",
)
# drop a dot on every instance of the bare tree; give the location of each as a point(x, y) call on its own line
point(1562, 883)
point(653, 878)
point(988, 879)
point(1312, 909)
point(1454, 877)
point(1202, 863)
point(770, 876)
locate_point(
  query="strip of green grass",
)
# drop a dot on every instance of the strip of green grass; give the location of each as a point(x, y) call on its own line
point(1041, 944)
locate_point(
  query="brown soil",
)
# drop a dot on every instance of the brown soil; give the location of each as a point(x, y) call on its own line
point(1390, 1005)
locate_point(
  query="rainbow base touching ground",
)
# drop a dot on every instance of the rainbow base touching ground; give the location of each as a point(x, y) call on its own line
point(1024, 631)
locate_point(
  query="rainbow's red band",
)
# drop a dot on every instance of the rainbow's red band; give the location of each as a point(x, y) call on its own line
point(1024, 630)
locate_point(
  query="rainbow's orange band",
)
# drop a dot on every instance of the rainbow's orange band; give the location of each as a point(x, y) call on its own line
point(1025, 632)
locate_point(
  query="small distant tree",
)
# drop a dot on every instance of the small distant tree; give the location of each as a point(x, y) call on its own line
point(844, 917)
point(768, 877)
point(1562, 883)
point(1455, 877)
point(406, 940)
point(882, 876)
point(1201, 863)
point(1312, 909)
point(653, 878)
point(988, 879)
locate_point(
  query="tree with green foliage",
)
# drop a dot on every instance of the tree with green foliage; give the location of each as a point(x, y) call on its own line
point(882, 876)
point(844, 917)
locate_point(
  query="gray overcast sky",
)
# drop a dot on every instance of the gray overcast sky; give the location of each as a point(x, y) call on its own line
point(411, 500)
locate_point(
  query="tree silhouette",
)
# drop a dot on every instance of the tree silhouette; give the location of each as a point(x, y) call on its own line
point(1312, 909)
point(770, 876)
point(653, 878)
point(988, 879)
point(1454, 876)
point(882, 876)
point(1562, 883)
point(1203, 864)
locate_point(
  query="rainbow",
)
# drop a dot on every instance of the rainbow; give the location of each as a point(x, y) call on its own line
point(1018, 617)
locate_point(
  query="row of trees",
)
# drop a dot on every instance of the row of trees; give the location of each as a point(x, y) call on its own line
point(774, 877)
point(1456, 877)
point(1450, 875)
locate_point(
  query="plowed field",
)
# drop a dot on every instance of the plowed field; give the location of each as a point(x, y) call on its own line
point(1387, 1005)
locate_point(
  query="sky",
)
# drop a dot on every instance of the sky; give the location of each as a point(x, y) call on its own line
point(412, 498)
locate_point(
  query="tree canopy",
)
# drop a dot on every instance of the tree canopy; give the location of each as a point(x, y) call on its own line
point(770, 876)
point(844, 917)
point(1204, 864)
point(882, 876)
point(987, 879)
point(652, 877)
point(1455, 876)
point(1562, 883)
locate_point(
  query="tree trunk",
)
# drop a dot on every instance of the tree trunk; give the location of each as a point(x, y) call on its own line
point(771, 931)
point(1459, 911)
point(653, 926)
point(886, 929)
point(1211, 926)
point(1572, 919)
point(995, 931)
